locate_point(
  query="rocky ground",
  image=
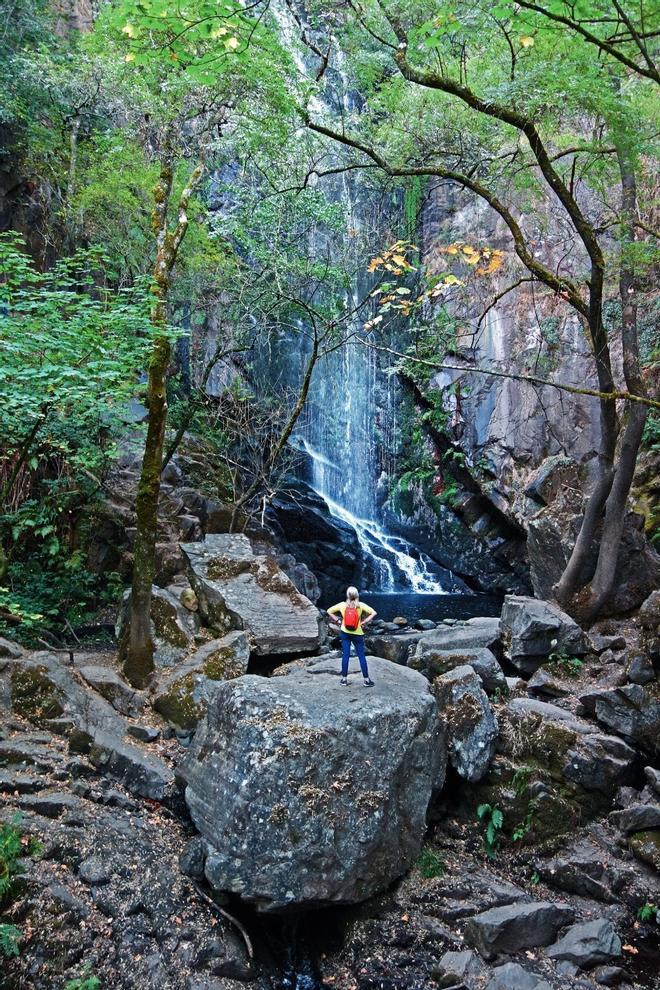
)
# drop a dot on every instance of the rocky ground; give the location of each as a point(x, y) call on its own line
point(553, 730)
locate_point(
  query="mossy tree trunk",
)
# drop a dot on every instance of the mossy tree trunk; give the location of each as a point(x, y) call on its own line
point(137, 648)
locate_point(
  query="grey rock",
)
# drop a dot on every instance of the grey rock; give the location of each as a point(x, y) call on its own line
point(547, 684)
point(588, 944)
point(95, 870)
point(591, 761)
point(464, 636)
point(517, 926)
point(586, 870)
point(512, 976)
point(425, 624)
point(471, 725)
point(193, 858)
point(111, 686)
point(637, 818)
point(534, 629)
point(649, 612)
point(182, 694)
point(20, 783)
point(348, 772)
point(239, 589)
point(461, 968)
point(632, 711)
point(145, 733)
point(66, 900)
point(545, 482)
point(304, 580)
point(10, 649)
point(396, 648)
point(601, 643)
point(609, 976)
point(173, 626)
point(434, 662)
point(52, 804)
point(640, 670)
point(653, 777)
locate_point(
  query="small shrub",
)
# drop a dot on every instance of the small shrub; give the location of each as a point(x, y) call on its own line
point(13, 845)
point(9, 938)
point(86, 981)
point(565, 664)
point(520, 780)
point(648, 912)
point(430, 864)
point(535, 878)
point(493, 819)
point(523, 828)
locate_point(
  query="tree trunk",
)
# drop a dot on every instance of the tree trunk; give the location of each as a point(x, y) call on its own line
point(615, 510)
point(137, 648)
point(575, 573)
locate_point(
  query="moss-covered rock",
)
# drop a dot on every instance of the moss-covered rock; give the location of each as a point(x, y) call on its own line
point(34, 695)
point(184, 693)
point(646, 846)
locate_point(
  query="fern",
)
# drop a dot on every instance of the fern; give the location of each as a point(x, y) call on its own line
point(10, 936)
point(494, 819)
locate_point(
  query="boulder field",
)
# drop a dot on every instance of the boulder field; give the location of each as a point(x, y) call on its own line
point(159, 809)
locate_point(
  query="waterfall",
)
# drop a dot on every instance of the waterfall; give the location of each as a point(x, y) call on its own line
point(341, 439)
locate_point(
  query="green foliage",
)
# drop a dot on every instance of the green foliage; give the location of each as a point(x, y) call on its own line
point(13, 845)
point(72, 350)
point(84, 982)
point(521, 778)
point(563, 663)
point(648, 912)
point(521, 830)
point(10, 937)
point(430, 864)
point(493, 820)
point(535, 878)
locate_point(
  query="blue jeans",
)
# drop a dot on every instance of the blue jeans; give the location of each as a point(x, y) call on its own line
point(358, 642)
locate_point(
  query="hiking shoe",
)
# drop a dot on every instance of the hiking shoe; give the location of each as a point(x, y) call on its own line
point(368, 682)
point(344, 680)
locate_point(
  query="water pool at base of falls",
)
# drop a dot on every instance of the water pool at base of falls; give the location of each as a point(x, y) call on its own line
point(414, 606)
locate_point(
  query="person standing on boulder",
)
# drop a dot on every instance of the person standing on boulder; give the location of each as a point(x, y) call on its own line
point(354, 616)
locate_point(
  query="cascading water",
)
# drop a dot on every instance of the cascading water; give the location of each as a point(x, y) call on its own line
point(342, 437)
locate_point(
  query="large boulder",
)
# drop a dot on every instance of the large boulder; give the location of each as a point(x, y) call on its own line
point(533, 629)
point(471, 725)
point(432, 663)
point(632, 711)
point(173, 625)
point(475, 634)
point(239, 589)
point(396, 647)
point(552, 770)
point(183, 693)
point(588, 944)
point(517, 926)
point(311, 793)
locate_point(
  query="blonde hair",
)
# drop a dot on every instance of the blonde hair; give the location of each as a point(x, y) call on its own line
point(353, 595)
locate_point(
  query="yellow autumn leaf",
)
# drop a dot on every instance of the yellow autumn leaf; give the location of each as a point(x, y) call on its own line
point(129, 30)
point(452, 280)
point(527, 41)
point(398, 259)
point(129, 58)
point(219, 32)
point(451, 250)
point(232, 44)
point(469, 250)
